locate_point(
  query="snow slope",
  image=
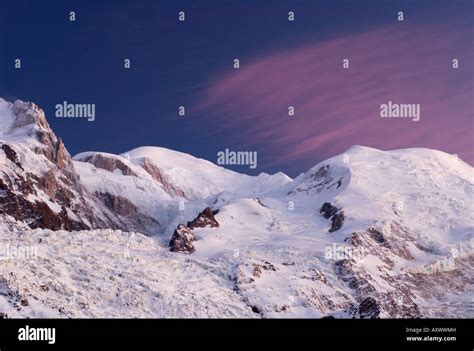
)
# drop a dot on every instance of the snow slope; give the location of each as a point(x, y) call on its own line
point(270, 259)
point(202, 179)
point(198, 183)
point(419, 204)
point(105, 273)
point(419, 188)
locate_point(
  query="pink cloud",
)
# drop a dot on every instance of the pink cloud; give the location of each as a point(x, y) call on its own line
point(336, 107)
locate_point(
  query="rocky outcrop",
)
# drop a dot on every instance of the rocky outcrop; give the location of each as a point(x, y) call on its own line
point(259, 201)
point(36, 214)
point(367, 309)
point(128, 213)
point(328, 210)
point(378, 237)
point(118, 204)
point(387, 246)
point(337, 221)
point(183, 237)
point(11, 155)
point(204, 219)
point(182, 240)
point(335, 214)
point(152, 169)
point(108, 162)
point(319, 180)
point(357, 279)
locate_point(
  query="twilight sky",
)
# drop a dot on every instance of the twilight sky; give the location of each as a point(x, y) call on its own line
point(282, 63)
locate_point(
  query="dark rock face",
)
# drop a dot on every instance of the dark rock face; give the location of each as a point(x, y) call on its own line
point(204, 219)
point(56, 188)
point(336, 215)
point(183, 237)
point(260, 202)
point(36, 214)
point(369, 308)
point(328, 210)
point(348, 271)
point(46, 218)
point(399, 302)
point(11, 155)
point(337, 221)
point(378, 237)
point(256, 309)
point(118, 204)
point(182, 240)
point(15, 189)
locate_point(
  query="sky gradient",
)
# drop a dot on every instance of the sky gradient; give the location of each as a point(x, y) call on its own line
point(282, 63)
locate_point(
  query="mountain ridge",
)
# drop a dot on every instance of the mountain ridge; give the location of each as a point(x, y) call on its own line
point(352, 237)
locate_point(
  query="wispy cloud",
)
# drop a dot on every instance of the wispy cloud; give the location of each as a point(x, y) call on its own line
point(336, 108)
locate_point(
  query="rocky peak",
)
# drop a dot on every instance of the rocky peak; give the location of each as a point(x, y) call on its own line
point(182, 240)
point(58, 201)
point(30, 120)
point(204, 219)
point(183, 237)
point(28, 113)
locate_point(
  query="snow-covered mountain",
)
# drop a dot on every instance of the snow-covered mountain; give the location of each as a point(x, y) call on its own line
point(158, 233)
point(167, 185)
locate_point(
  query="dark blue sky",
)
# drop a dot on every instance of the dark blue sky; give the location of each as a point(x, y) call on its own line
point(172, 62)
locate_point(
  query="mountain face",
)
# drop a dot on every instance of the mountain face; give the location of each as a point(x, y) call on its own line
point(38, 183)
point(158, 233)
